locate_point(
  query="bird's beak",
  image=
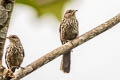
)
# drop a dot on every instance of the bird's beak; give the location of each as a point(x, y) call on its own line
point(75, 11)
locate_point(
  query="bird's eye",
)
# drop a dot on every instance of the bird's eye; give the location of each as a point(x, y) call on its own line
point(13, 36)
point(69, 11)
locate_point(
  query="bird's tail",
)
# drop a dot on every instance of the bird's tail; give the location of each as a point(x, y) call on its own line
point(66, 61)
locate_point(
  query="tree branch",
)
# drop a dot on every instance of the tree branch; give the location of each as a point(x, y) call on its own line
point(66, 47)
point(6, 7)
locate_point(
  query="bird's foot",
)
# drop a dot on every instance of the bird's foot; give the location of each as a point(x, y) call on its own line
point(22, 68)
point(10, 74)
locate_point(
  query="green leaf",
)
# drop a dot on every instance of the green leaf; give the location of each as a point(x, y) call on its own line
point(46, 6)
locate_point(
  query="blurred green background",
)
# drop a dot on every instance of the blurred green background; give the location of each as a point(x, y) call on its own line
point(46, 6)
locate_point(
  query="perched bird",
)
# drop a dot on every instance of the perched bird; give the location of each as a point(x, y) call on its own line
point(68, 31)
point(14, 53)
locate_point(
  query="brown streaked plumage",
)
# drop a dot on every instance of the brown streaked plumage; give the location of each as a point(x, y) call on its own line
point(68, 31)
point(14, 53)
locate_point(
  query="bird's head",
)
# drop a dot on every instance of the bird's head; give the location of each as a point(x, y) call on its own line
point(13, 38)
point(70, 13)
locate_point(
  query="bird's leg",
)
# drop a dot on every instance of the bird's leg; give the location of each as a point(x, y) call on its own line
point(70, 42)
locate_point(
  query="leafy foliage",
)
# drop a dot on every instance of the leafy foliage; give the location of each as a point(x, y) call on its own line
point(46, 6)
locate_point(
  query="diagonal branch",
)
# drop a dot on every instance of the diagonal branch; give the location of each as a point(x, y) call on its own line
point(68, 46)
point(6, 7)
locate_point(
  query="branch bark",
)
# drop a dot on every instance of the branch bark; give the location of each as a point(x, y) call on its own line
point(7, 5)
point(68, 46)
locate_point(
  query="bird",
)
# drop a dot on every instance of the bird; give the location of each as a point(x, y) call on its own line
point(68, 31)
point(14, 53)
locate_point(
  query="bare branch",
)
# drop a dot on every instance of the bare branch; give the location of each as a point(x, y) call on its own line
point(66, 47)
point(6, 7)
